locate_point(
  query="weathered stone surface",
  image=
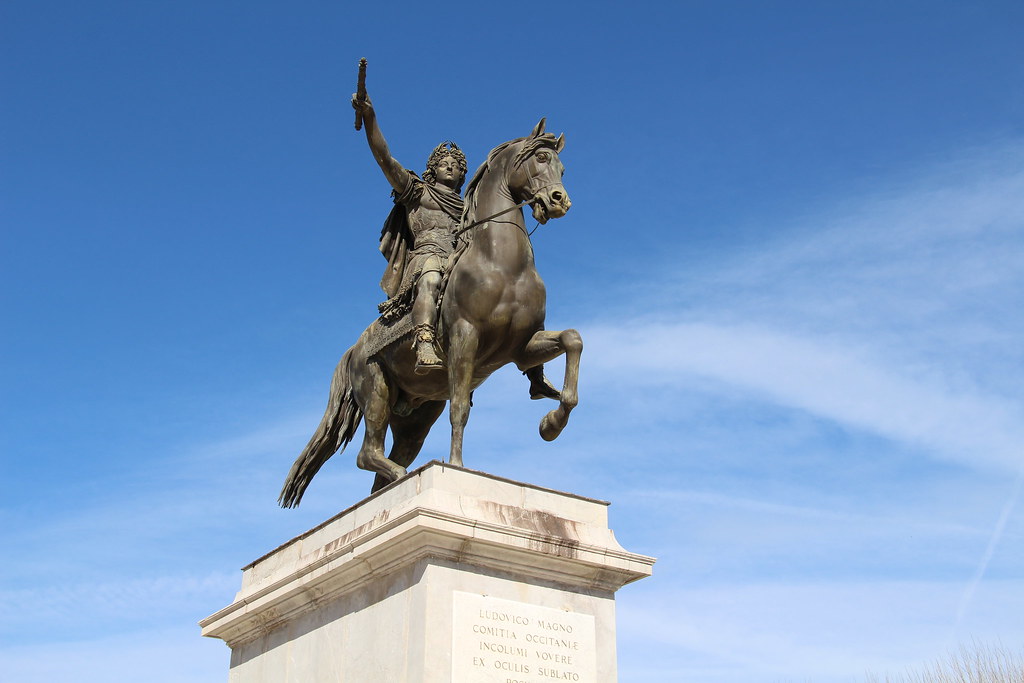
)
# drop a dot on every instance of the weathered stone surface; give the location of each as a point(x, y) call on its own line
point(400, 586)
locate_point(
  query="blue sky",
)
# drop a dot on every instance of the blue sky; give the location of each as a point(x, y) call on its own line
point(796, 257)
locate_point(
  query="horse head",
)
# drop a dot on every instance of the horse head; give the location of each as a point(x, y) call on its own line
point(536, 175)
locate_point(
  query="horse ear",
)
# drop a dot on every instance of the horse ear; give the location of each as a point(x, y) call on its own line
point(560, 143)
point(539, 128)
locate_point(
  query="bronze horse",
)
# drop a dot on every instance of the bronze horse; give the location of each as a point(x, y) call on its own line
point(491, 314)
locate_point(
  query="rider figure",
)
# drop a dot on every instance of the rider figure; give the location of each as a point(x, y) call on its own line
point(417, 239)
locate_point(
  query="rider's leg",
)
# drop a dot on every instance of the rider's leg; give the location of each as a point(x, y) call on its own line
point(424, 314)
point(540, 387)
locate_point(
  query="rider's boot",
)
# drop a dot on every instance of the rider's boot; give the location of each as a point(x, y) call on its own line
point(540, 387)
point(426, 355)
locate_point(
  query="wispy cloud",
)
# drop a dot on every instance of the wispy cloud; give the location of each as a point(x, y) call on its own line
point(899, 314)
point(996, 537)
point(76, 607)
point(826, 378)
point(159, 655)
point(724, 504)
point(826, 631)
point(896, 315)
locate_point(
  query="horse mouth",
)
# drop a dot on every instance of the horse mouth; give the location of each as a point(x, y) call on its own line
point(540, 211)
point(547, 205)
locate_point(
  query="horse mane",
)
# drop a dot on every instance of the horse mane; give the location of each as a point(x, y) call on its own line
point(531, 144)
point(469, 210)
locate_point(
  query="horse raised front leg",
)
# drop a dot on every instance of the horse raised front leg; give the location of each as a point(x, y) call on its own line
point(462, 348)
point(547, 345)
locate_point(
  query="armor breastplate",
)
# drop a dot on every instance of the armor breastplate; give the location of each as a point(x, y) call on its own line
point(431, 228)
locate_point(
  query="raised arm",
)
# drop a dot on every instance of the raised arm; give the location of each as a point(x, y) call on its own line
point(393, 171)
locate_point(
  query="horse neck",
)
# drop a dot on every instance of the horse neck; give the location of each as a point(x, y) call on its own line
point(503, 238)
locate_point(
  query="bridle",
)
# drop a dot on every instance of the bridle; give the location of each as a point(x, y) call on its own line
point(533, 197)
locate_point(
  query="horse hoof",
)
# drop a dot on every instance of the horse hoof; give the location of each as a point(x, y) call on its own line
point(549, 431)
point(396, 474)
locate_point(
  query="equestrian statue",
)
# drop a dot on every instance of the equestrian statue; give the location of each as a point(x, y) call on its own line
point(464, 299)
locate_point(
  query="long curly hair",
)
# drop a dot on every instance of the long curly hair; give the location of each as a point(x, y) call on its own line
point(445, 149)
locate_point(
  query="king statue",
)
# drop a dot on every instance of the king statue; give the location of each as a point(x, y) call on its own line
point(417, 240)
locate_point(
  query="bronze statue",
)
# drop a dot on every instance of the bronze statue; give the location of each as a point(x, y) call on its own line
point(491, 309)
point(417, 238)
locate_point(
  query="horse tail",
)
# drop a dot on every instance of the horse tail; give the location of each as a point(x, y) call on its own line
point(336, 430)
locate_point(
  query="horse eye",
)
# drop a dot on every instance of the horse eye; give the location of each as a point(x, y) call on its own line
point(543, 157)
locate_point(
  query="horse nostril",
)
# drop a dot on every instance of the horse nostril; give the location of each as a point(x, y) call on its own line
point(556, 196)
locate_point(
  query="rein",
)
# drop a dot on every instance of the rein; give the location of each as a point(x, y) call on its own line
point(503, 212)
point(489, 218)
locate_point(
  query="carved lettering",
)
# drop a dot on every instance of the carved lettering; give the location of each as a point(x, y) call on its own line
point(554, 626)
point(503, 649)
point(560, 643)
point(504, 616)
point(503, 641)
point(494, 631)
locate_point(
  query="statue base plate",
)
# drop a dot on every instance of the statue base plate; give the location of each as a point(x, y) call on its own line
point(446, 575)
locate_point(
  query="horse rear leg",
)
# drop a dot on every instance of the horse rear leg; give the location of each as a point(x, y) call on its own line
point(374, 390)
point(408, 433)
point(543, 347)
point(462, 348)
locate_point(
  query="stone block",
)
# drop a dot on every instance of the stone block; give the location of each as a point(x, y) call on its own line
point(446, 575)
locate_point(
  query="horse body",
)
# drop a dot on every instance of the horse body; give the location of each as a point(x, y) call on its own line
point(492, 314)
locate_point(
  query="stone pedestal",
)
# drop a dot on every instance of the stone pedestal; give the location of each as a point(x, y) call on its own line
point(448, 575)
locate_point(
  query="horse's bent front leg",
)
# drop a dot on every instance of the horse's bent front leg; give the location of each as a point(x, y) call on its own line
point(462, 348)
point(544, 346)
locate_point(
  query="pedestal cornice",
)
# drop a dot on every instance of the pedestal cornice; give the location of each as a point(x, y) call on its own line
point(438, 511)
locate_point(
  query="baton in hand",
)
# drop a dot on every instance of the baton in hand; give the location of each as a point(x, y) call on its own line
point(361, 92)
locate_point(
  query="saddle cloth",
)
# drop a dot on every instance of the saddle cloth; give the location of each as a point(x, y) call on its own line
point(383, 335)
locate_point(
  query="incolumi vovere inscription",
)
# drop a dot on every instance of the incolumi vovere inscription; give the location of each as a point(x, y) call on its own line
point(504, 641)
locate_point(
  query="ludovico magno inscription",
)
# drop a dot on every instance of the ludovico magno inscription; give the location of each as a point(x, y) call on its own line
point(504, 641)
